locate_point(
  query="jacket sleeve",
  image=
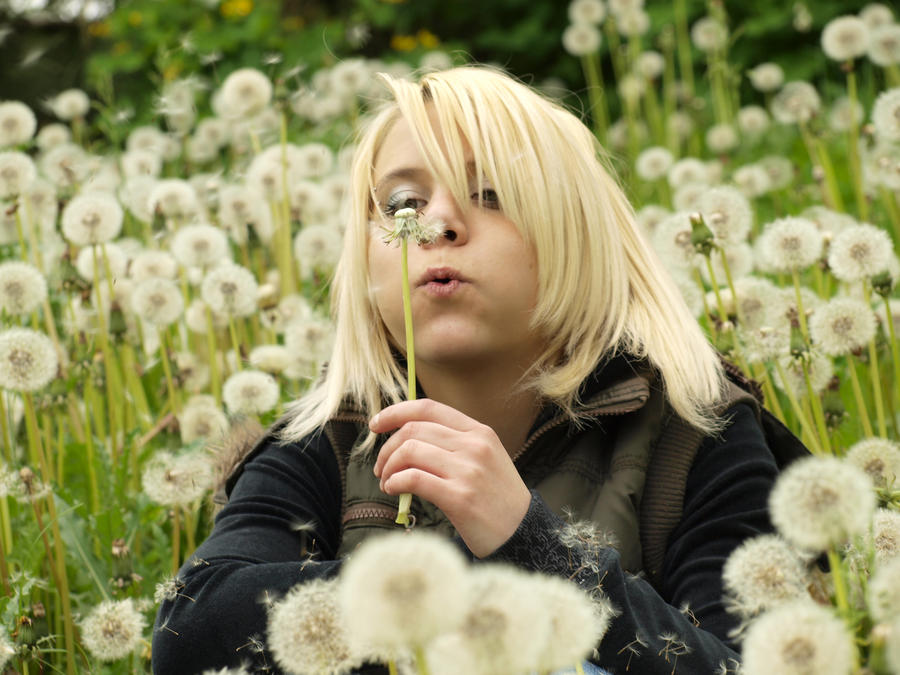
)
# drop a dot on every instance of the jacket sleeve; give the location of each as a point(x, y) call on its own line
point(280, 527)
point(683, 626)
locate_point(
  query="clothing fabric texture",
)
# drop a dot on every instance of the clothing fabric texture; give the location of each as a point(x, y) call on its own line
point(256, 553)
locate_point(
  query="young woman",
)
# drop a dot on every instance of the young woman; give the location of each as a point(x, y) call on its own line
point(554, 357)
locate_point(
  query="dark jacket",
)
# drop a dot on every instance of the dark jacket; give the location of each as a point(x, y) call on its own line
point(256, 553)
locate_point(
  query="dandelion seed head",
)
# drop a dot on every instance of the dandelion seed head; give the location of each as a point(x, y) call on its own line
point(797, 102)
point(587, 11)
point(28, 360)
point(766, 77)
point(174, 198)
point(141, 163)
point(317, 249)
point(17, 123)
point(727, 213)
point(230, 289)
point(653, 163)
point(886, 115)
point(180, 480)
point(633, 23)
point(310, 339)
point(306, 632)
point(350, 77)
point(157, 301)
point(876, 14)
point(752, 180)
point(93, 218)
point(250, 392)
point(883, 592)
point(153, 264)
point(878, 457)
point(91, 256)
point(113, 629)
point(819, 502)
point(762, 573)
point(650, 65)
point(790, 243)
point(672, 240)
point(842, 325)
point(688, 171)
point(845, 38)
point(245, 92)
point(52, 135)
point(65, 165)
point(690, 291)
point(798, 638)
point(200, 245)
point(22, 288)
point(270, 358)
point(884, 45)
point(649, 216)
point(753, 120)
point(70, 104)
point(709, 34)
point(401, 591)
point(202, 419)
point(845, 114)
point(17, 173)
point(581, 39)
point(886, 535)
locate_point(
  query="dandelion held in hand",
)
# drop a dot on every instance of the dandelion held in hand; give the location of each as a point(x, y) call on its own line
point(406, 225)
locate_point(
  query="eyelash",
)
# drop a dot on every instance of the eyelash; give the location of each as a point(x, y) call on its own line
point(401, 200)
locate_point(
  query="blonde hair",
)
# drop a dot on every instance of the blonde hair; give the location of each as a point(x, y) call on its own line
point(601, 288)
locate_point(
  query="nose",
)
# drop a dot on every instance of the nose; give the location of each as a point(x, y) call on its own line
point(443, 207)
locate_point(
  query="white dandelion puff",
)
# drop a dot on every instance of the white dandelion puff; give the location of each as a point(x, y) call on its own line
point(753, 120)
point(650, 65)
point(860, 252)
point(821, 502)
point(66, 165)
point(91, 259)
point(70, 104)
point(22, 288)
point(797, 102)
point(245, 92)
point(878, 457)
point(230, 289)
point(250, 392)
point(172, 480)
point(202, 419)
point(876, 15)
point(883, 591)
point(113, 629)
point(28, 360)
point(581, 39)
point(200, 245)
point(688, 171)
point(17, 173)
point(157, 301)
point(886, 115)
point(93, 218)
point(672, 240)
point(845, 114)
point(709, 34)
point(52, 135)
point(270, 358)
point(762, 573)
point(721, 138)
point(633, 23)
point(306, 632)
point(886, 535)
point(587, 11)
point(884, 45)
point(766, 77)
point(653, 163)
point(174, 198)
point(819, 368)
point(790, 243)
point(845, 38)
point(317, 249)
point(798, 638)
point(310, 339)
point(727, 213)
point(153, 264)
point(141, 163)
point(752, 180)
point(649, 216)
point(17, 123)
point(842, 325)
point(400, 591)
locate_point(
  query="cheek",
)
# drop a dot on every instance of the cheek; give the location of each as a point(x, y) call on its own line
point(384, 279)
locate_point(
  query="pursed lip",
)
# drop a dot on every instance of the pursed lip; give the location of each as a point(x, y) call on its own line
point(440, 274)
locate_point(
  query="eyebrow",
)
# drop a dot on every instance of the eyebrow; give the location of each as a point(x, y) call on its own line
point(412, 173)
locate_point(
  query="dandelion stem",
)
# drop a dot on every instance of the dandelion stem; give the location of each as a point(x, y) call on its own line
point(214, 381)
point(684, 47)
point(421, 661)
point(89, 399)
point(801, 313)
point(599, 114)
point(176, 538)
point(579, 668)
point(406, 498)
point(890, 204)
point(840, 595)
point(769, 391)
point(4, 430)
point(167, 369)
point(895, 350)
point(875, 375)
point(816, 407)
point(802, 417)
point(858, 395)
point(392, 667)
point(235, 344)
point(853, 143)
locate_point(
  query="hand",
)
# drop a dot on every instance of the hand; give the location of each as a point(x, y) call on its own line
point(457, 464)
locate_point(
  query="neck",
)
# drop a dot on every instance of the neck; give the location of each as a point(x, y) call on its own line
point(489, 394)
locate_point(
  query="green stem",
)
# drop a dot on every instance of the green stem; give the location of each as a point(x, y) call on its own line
point(841, 597)
point(421, 661)
point(176, 538)
point(890, 204)
point(89, 399)
point(214, 380)
point(819, 415)
point(855, 163)
point(801, 314)
point(802, 417)
point(684, 47)
point(858, 395)
point(235, 344)
point(599, 114)
point(167, 369)
point(895, 348)
point(406, 498)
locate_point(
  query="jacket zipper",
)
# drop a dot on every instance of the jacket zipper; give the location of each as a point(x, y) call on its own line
point(368, 510)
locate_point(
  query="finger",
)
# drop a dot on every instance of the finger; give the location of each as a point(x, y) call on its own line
point(416, 454)
point(429, 432)
point(421, 483)
point(423, 409)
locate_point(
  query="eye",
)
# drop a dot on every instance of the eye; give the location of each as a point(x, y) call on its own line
point(402, 199)
point(487, 198)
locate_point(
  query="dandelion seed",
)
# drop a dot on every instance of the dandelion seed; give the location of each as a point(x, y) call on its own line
point(688, 171)
point(752, 180)
point(753, 120)
point(845, 38)
point(172, 480)
point(402, 591)
point(653, 163)
point(153, 265)
point(52, 135)
point(886, 536)
point(17, 123)
point(168, 589)
point(317, 249)
point(91, 219)
point(70, 104)
point(884, 45)
point(113, 630)
point(633, 23)
point(672, 240)
point(22, 288)
point(727, 213)
point(650, 65)
point(306, 631)
point(245, 92)
point(250, 392)
point(200, 245)
point(28, 360)
point(709, 34)
point(17, 173)
point(581, 39)
point(820, 502)
point(842, 325)
point(886, 115)
point(878, 457)
point(157, 301)
point(790, 243)
point(587, 11)
point(798, 638)
point(230, 289)
point(141, 163)
point(881, 167)
point(883, 592)
point(351, 77)
point(766, 77)
point(241, 206)
point(65, 165)
point(270, 358)
point(762, 573)
point(797, 102)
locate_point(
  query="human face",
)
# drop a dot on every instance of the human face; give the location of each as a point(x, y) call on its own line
point(474, 290)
